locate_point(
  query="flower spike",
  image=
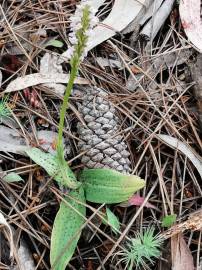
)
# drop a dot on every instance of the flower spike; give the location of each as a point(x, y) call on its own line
point(82, 23)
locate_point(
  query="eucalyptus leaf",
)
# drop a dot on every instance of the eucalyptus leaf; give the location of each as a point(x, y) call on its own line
point(62, 174)
point(12, 177)
point(55, 43)
point(113, 220)
point(109, 186)
point(67, 229)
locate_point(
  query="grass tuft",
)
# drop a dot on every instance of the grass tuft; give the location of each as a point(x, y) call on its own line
point(142, 249)
point(4, 109)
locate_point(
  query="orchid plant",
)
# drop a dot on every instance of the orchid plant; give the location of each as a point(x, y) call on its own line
point(82, 23)
point(95, 185)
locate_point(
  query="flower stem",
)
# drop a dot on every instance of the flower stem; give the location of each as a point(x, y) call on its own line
point(64, 108)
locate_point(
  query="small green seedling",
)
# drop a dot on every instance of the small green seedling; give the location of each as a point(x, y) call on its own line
point(168, 221)
point(55, 43)
point(12, 177)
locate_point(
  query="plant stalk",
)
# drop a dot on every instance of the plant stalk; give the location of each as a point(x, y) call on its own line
point(65, 105)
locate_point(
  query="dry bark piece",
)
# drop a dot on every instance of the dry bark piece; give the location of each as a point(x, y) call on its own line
point(193, 223)
point(181, 255)
point(99, 142)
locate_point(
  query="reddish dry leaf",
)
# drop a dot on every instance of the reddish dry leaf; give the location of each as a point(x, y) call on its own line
point(32, 97)
point(10, 63)
point(90, 265)
point(191, 21)
point(135, 70)
point(137, 200)
point(181, 256)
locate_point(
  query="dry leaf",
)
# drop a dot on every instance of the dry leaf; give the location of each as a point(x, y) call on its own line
point(28, 41)
point(5, 223)
point(135, 70)
point(134, 26)
point(97, 3)
point(12, 141)
point(156, 65)
point(196, 76)
point(138, 200)
point(151, 11)
point(123, 13)
point(48, 140)
point(152, 27)
point(51, 75)
point(106, 62)
point(49, 65)
point(185, 149)
point(38, 78)
point(36, 36)
point(190, 13)
point(25, 258)
point(181, 255)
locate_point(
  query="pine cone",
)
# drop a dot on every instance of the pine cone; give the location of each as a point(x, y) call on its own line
point(99, 140)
